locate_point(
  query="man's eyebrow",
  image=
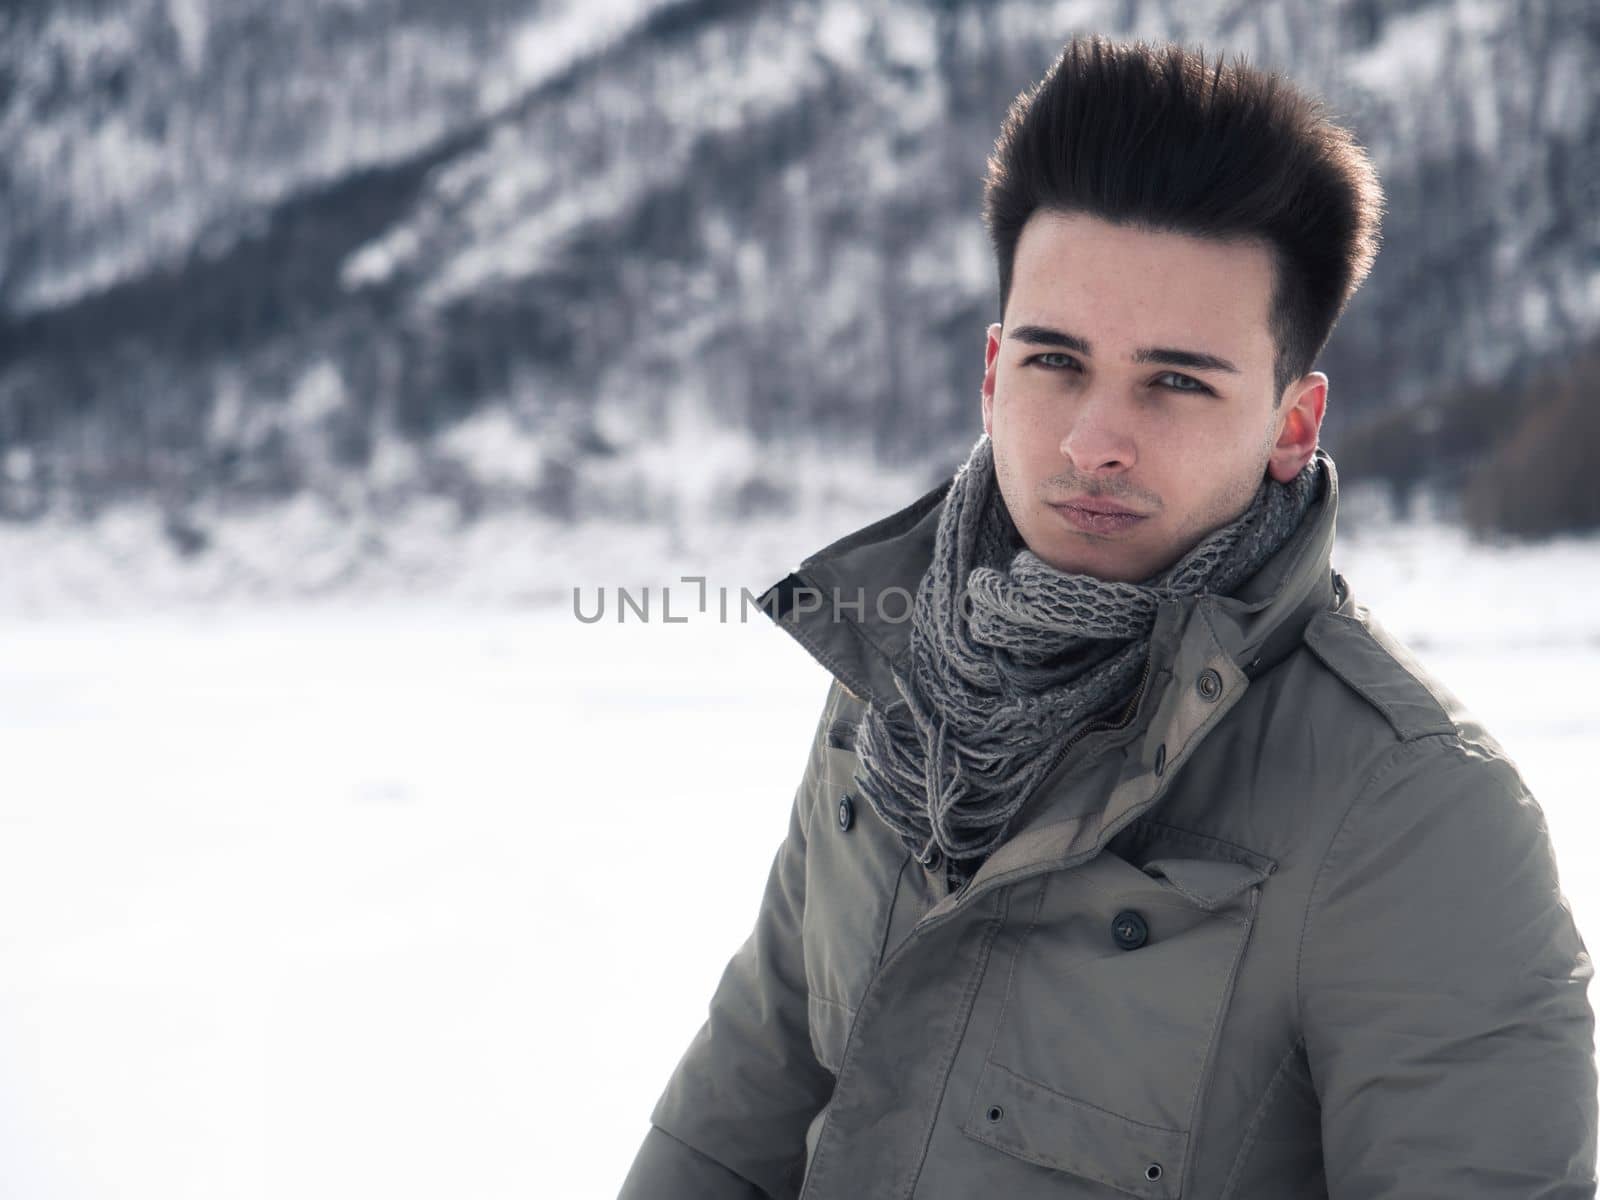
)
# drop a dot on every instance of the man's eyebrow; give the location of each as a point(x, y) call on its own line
point(1194, 360)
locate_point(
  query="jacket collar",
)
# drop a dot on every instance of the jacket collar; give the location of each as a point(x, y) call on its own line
point(849, 605)
point(850, 602)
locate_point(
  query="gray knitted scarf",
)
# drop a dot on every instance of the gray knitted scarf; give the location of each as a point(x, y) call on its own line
point(996, 685)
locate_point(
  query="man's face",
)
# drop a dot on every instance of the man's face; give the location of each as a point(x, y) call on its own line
point(1135, 372)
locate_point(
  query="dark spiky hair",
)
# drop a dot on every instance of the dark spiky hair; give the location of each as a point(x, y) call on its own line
point(1149, 136)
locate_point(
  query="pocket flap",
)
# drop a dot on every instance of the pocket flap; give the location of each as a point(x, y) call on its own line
point(1209, 883)
point(1041, 1126)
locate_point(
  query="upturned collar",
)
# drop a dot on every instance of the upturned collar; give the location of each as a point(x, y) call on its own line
point(849, 604)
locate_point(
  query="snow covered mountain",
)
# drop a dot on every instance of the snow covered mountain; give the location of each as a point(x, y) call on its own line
point(605, 258)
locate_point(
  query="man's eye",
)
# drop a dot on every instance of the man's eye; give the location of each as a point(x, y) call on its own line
point(1184, 381)
point(1056, 360)
point(1069, 361)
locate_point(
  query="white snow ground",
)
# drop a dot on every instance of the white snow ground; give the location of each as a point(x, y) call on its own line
point(342, 900)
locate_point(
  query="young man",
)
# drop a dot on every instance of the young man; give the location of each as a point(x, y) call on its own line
point(1134, 857)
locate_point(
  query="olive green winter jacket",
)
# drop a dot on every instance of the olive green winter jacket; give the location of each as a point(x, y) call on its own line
point(1293, 929)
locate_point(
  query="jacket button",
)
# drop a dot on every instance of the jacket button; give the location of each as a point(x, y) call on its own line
point(847, 813)
point(1161, 758)
point(1209, 685)
point(1129, 929)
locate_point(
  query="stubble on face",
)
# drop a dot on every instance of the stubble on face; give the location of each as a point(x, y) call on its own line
point(1235, 495)
point(1191, 465)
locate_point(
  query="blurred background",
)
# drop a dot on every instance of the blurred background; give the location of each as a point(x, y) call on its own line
point(297, 294)
point(342, 341)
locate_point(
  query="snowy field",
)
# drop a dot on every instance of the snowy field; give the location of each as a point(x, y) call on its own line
point(417, 900)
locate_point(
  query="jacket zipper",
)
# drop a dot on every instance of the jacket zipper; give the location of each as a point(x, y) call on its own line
point(1100, 726)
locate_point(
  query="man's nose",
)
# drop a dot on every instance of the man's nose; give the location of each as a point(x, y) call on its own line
point(1099, 441)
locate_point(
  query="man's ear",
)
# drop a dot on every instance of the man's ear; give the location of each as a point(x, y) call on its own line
point(991, 359)
point(1300, 423)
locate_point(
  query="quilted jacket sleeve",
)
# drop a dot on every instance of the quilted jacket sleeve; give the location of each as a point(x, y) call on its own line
point(1443, 991)
point(731, 1123)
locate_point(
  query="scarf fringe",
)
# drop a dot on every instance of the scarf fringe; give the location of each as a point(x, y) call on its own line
point(1011, 657)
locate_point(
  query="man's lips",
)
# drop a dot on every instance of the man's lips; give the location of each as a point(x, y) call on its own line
point(1098, 506)
point(1103, 519)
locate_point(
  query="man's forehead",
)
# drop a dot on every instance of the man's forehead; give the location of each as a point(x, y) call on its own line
point(1229, 334)
point(1088, 277)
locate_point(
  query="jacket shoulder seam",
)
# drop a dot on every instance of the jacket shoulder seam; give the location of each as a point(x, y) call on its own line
point(1421, 712)
point(1396, 754)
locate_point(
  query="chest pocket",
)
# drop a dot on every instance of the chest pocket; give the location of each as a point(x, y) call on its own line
point(853, 867)
point(1116, 994)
